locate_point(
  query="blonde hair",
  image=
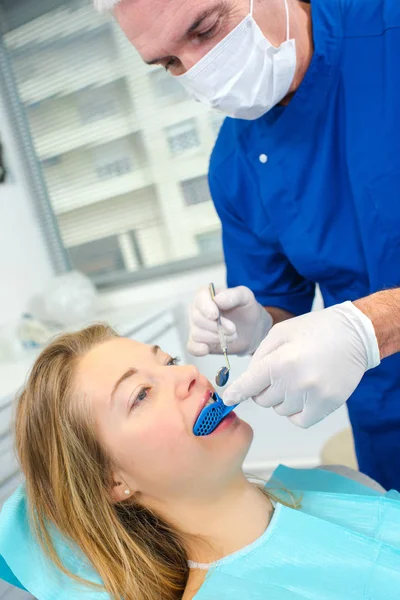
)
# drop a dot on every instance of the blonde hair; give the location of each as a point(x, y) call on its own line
point(68, 481)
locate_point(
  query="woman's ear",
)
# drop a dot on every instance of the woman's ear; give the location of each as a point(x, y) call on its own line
point(120, 490)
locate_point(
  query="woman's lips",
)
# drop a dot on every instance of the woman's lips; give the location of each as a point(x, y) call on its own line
point(226, 422)
point(204, 401)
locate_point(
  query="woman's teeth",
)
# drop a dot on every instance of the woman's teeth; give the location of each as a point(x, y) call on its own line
point(211, 400)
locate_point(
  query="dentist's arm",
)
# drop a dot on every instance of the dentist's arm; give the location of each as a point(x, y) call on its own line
point(278, 314)
point(308, 366)
point(383, 308)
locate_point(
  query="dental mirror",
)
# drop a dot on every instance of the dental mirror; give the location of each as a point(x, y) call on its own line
point(222, 376)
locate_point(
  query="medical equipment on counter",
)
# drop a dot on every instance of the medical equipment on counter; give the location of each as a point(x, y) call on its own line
point(70, 299)
point(222, 375)
point(24, 337)
point(211, 416)
point(33, 333)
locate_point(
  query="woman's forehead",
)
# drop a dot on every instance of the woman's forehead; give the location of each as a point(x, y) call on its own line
point(113, 355)
point(101, 368)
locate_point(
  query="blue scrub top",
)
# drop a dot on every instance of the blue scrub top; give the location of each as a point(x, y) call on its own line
point(311, 192)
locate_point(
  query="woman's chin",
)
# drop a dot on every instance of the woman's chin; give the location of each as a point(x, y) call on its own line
point(233, 435)
point(234, 426)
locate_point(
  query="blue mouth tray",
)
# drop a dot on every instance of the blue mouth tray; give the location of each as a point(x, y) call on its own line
point(211, 416)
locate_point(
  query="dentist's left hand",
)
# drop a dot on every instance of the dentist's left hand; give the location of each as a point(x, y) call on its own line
point(308, 366)
point(245, 322)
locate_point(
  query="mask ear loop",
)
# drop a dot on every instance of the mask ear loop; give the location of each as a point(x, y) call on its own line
point(287, 16)
point(287, 19)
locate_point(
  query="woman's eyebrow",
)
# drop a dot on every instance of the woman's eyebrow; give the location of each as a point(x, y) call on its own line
point(129, 373)
point(126, 375)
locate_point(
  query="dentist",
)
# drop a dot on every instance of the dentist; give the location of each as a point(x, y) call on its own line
point(305, 177)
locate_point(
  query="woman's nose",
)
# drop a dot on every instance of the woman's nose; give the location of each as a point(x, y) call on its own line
point(186, 378)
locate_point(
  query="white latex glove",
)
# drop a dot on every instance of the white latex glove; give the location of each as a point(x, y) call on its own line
point(245, 322)
point(308, 366)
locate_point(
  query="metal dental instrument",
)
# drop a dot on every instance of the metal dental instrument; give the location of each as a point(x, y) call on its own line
point(222, 375)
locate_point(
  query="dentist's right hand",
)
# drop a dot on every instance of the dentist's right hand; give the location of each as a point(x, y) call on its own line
point(245, 322)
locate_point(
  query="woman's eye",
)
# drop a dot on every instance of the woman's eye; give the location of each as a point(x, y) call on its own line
point(141, 396)
point(144, 392)
point(173, 361)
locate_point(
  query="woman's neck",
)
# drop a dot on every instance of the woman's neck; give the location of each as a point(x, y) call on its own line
point(235, 522)
point(226, 525)
point(226, 521)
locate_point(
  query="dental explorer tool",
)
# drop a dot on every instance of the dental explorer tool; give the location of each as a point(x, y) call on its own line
point(222, 375)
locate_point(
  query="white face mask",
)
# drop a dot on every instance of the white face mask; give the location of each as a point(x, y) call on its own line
point(243, 76)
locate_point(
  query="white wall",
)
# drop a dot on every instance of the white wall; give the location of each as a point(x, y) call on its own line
point(24, 261)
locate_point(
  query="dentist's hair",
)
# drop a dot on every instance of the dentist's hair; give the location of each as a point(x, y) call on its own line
point(68, 474)
point(106, 5)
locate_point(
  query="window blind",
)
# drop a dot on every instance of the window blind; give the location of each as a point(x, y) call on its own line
point(119, 150)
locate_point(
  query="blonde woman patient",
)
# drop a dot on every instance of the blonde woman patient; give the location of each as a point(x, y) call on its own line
point(114, 473)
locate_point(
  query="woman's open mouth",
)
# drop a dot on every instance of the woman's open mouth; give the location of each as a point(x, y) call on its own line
point(208, 398)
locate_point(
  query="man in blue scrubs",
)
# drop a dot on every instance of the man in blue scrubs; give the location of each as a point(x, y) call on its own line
point(305, 177)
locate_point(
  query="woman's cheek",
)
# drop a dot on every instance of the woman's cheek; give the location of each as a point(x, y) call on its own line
point(159, 437)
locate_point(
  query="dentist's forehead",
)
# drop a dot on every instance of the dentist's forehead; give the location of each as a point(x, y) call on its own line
point(156, 27)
